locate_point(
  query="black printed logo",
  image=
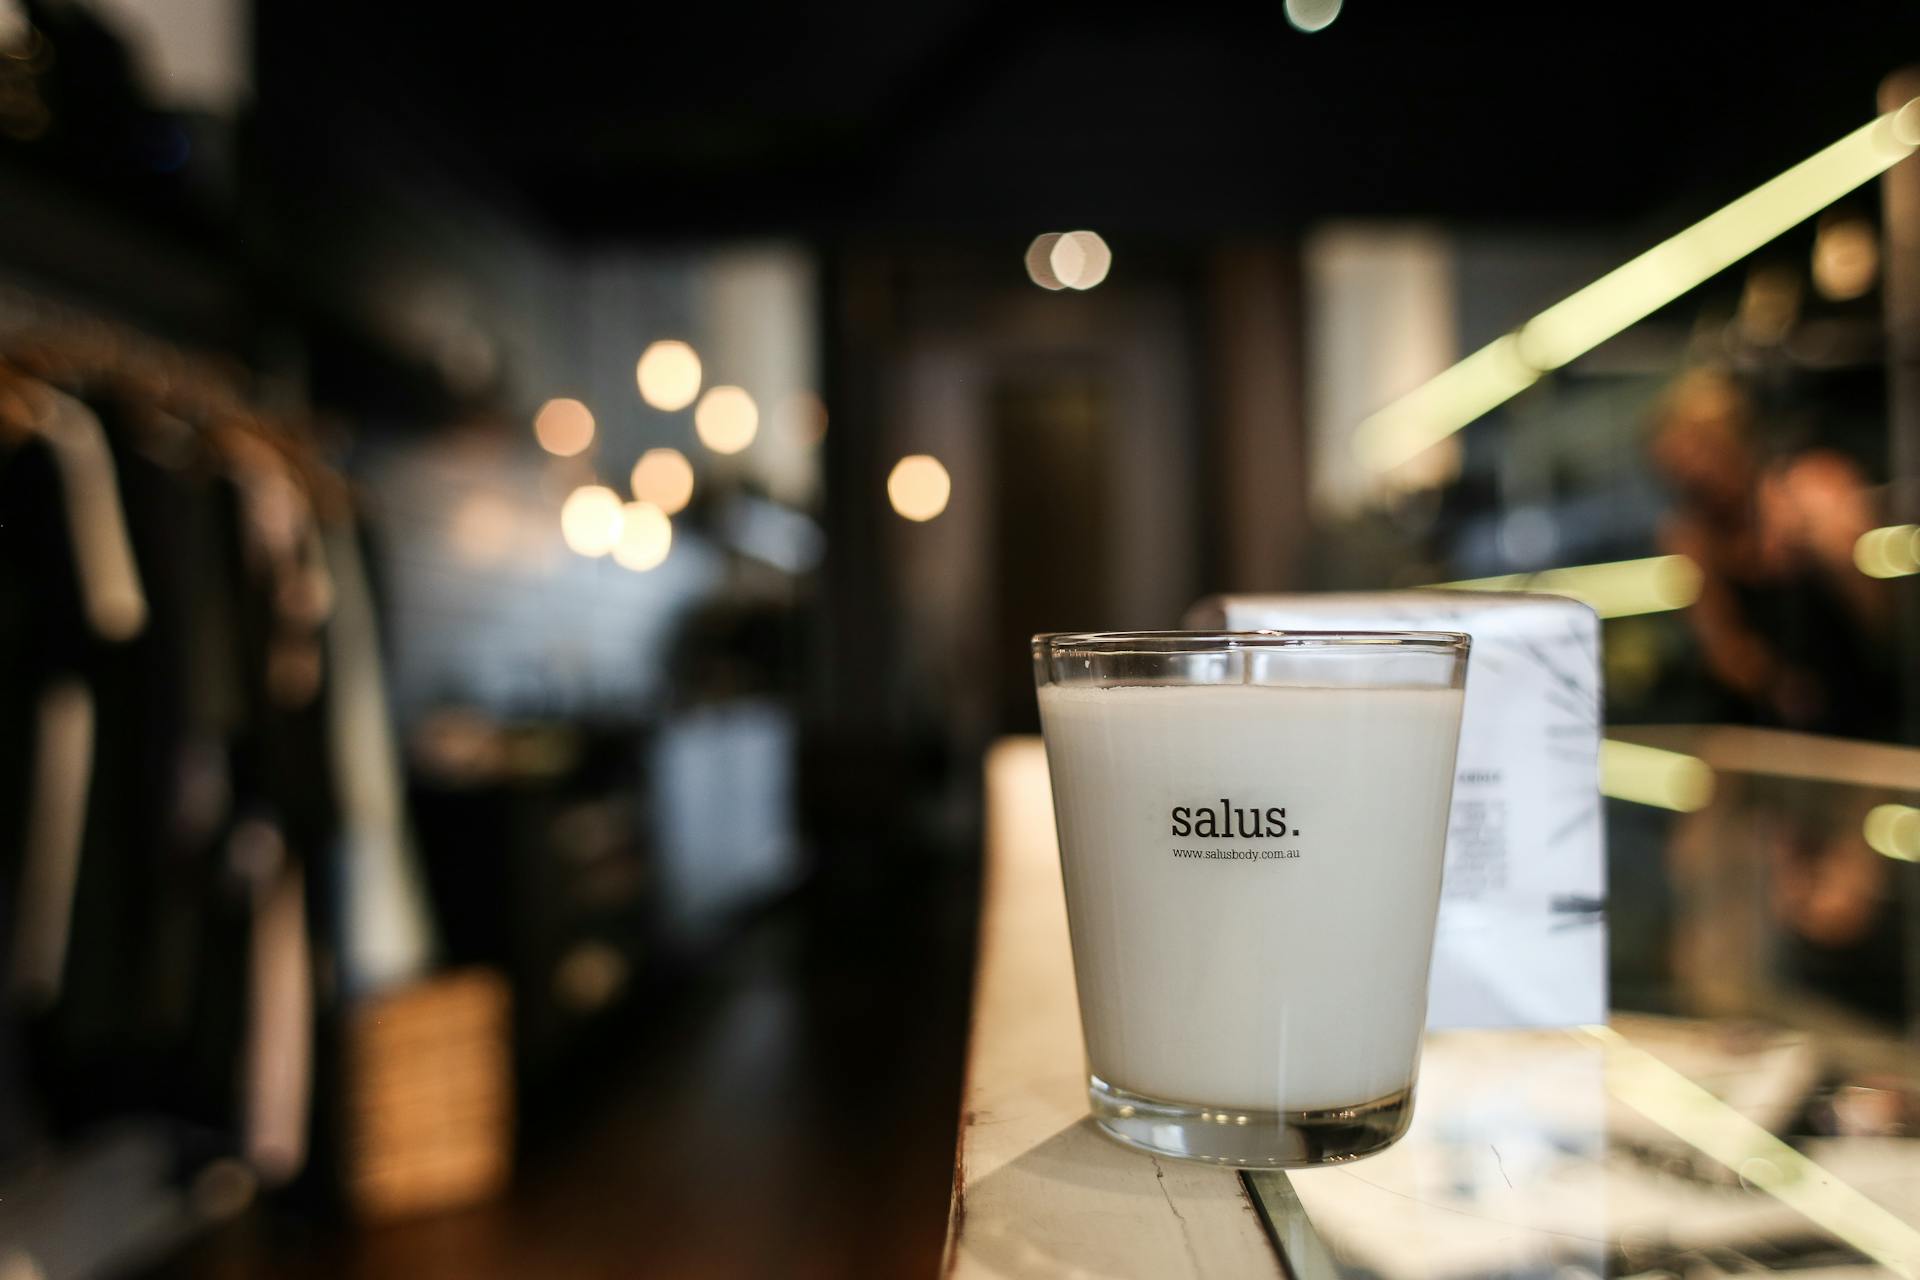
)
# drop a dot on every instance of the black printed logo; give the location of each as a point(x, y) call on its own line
point(1226, 821)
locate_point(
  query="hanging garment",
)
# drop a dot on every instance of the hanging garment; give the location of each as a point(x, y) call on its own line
point(107, 587)
point(386, 934)
point(278, 1072)
point(110, 589)
point(50, 849)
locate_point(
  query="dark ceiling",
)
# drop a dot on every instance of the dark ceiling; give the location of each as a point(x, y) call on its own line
point(712, 117)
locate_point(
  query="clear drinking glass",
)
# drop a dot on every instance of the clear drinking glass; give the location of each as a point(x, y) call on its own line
point(1251, 834)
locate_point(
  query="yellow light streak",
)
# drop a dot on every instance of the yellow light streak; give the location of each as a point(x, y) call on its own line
point(1631, 292)
point(1424, 417)
point(1894, 829)
point(1618, 589)
point(1695, 1116)
point(1891, 552)
point(1651, 776)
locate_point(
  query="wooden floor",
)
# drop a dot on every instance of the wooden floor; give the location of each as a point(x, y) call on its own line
point(794, 1115)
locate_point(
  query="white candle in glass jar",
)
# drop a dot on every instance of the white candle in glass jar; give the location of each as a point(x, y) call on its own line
point(1252, 874)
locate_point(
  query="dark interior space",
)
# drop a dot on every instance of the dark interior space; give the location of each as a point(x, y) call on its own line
point(521, 529)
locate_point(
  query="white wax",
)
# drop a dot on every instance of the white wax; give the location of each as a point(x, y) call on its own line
point(1270, 983)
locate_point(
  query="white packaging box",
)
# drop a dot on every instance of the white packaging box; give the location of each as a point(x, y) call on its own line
point(1522, 938)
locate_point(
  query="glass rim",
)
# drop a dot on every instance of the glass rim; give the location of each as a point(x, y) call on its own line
point(1157, 643)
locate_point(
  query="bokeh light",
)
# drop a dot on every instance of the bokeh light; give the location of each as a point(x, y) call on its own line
point(563, 427)
point(588, 977)
point(1312, 15)
point(1846, 258)
point(1080, 259)
point(801, 417)
point(726, 420)
point(590, 520)
point(1068, 260)
point(483, 529)
point(668, 374)
point(646, 535)
point(918, 487)
point(1040, 261)
point(663, 477)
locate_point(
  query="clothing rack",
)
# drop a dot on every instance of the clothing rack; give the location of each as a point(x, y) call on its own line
point(204, 844)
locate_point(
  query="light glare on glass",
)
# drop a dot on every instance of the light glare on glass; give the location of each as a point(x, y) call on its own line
point(726, 420)
point(1894, 830)
point(1312, 15)
point(1629, 293)
point(590, 520)
point(1650, 776)
point(646, 535)
point(1619, 589)
point(1906, 124)
point(563, 427)
point(663, 477)
point(1890, 552)
point(918, 487)
point(1701, 1119)
point(668, 374)
point(1452, 398)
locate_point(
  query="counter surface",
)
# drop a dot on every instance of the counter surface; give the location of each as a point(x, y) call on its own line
point(1649, 1147)
point(1037, 1190)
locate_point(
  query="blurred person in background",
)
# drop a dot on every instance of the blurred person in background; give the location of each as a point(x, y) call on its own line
point(1795, 637)
point(1791, 633)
